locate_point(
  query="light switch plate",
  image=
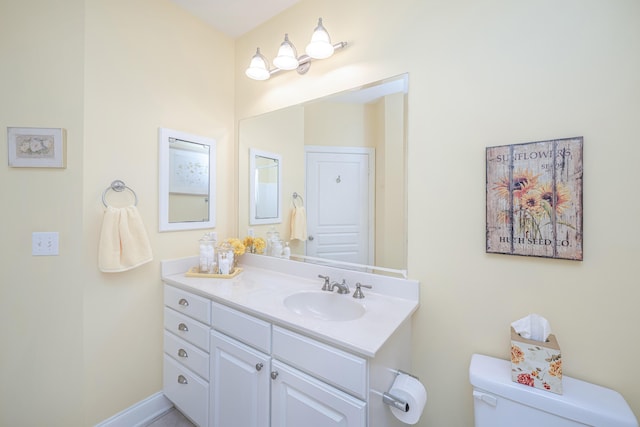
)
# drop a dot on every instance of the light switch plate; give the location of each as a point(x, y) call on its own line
point(44, 243)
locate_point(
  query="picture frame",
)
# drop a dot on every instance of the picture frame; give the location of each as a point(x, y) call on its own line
point(36, 147)
point(534, 199)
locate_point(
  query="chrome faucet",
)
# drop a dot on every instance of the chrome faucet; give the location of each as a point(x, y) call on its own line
point(343, 288)
point(326, 286)
point(358, 292)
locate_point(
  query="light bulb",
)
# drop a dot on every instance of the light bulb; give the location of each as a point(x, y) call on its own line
point(259, 67)
point(320, 46)
point(287, 58)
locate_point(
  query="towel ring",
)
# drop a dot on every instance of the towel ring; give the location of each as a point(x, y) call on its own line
point(118, 186)
point(297, 196)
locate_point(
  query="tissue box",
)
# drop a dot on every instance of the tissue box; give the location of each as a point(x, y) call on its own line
point(536, 364)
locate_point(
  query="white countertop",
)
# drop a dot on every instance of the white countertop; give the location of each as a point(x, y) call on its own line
point(261, 292)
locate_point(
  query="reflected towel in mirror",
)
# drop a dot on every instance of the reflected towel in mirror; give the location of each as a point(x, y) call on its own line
point(124, 243)
point(298, 224)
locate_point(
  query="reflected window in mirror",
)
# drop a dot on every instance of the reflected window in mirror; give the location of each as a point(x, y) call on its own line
point(265, 181)
point(186, 181)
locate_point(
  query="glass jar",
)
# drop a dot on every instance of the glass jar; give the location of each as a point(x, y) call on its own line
point(207, 260)
point(225, 258)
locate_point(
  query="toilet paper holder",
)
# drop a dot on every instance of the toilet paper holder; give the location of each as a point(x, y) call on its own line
point(395, 401)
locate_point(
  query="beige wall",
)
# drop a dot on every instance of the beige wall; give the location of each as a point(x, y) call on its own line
point(80, 345)
point(148, 65)
point(41, 82)
point(482, 74)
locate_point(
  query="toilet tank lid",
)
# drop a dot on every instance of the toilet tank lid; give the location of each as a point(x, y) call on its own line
point(581, 401)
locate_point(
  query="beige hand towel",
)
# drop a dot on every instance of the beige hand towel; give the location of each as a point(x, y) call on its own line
point(124, 243)
point(298, 224)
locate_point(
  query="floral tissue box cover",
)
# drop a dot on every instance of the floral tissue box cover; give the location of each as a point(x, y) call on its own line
point(536, 364)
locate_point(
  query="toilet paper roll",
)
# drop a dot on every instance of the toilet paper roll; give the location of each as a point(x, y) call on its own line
point(410, 390)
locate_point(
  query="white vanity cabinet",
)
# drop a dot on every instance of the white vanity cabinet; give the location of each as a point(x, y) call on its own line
point(187, 320)
point(236, 355)
point(240, 366)
point(252, 388)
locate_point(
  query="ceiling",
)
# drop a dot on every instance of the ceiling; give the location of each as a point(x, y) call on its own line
point(235, 17)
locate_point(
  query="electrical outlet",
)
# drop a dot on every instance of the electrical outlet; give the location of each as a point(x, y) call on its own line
point(44, 243)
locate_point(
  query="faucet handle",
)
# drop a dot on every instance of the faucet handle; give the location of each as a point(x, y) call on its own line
point(358, 292)
point(326, 286)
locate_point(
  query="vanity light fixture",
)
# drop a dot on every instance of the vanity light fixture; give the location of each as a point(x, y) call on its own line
point(320, 47)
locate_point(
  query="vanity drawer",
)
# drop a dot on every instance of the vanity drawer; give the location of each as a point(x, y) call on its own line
point(187, 303)
point(187, 354)
point(241, 326)
point(341, 369)
point(187, 391)
point(187, 328)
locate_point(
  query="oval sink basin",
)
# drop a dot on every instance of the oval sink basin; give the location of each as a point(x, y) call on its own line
point(324, 305)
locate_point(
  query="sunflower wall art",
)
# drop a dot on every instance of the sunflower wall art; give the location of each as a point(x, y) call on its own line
point(534, 199)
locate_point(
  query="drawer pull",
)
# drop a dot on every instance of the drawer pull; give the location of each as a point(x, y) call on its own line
point(182, 327)
point(274, 375)
point(259, 366)
point(182, 379)
point(183, 302)
point(182, 353)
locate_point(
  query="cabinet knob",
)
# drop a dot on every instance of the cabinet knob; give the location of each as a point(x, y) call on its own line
point(182, 353)
point(274, 375)
point(259, 366)
point(182, 379)
point(182, 327)
point(183, 302)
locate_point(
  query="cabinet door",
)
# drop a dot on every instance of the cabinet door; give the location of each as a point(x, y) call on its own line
point(301, 400)
point(240, 381)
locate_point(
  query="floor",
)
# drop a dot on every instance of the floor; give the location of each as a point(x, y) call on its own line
point(173, 418)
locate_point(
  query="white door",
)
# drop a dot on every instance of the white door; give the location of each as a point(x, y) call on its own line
point(300, 400)
point(240, 381)
point(339, 205)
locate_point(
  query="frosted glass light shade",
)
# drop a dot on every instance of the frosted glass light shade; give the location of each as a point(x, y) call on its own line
point(259, 67)
point(287, 58)
point(320, 46)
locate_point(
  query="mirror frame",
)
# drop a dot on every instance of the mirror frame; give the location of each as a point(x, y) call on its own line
point(253, 220)
point(164, 136)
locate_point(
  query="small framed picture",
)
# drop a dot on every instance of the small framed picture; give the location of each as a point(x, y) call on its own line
point(36, 147)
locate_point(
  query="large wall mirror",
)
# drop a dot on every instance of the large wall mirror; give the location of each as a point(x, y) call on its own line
point(186, 181)
point(345, 157)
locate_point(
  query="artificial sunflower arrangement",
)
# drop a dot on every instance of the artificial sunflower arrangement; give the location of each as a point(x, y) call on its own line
point(254, 245)
point(237, 246)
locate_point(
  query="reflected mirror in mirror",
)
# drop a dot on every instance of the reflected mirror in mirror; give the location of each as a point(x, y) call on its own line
point(186, 181)
point(363, 202)
point(265, 190)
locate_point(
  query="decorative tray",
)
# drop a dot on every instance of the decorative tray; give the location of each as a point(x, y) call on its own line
point(193, 272)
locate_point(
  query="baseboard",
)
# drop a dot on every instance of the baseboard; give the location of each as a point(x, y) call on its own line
point(141, 413)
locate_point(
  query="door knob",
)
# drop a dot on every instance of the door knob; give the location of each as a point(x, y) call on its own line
point(182, 379)
point(182, 327)
point(182, 353)
point(259, 366)
point(274, 375)
point(311, 238)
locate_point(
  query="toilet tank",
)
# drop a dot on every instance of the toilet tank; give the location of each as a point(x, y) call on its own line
point(500, 402)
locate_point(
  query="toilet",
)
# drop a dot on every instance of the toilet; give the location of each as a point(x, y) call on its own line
point(500, 402)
